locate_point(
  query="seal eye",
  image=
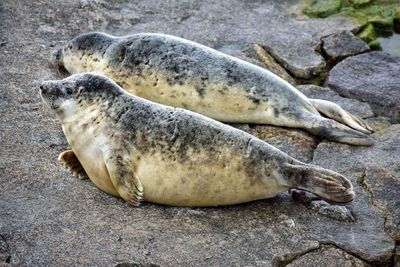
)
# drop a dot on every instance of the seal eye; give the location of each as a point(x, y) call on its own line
point(68, 91)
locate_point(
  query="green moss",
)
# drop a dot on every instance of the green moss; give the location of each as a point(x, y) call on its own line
point(323, 8)
point(373, 16)
point(357, 16)
point(381, 13)
point(397, 13)
point(368, 33)
point(381, 16)
point(359, 3)
point(375, 45)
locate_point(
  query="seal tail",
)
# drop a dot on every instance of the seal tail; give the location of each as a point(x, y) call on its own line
point(328, 185)
point(337, 113)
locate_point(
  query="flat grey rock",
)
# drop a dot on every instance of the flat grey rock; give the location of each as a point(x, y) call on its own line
point(384, 186)
point(361, 109)
point(375, 170)
point(50, 218)
point(373, 78)
point(338, 46)
point(328, 256)
point(295, 47)
point(339, 213)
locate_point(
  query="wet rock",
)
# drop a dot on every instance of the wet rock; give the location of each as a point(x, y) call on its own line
point(340, 45)
point(328, 256)
point(297, 143)
point(361, 109)
point(373, 78)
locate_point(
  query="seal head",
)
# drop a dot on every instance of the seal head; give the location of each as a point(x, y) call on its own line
point(90, 46)
point(56, 94)
point(59, 93)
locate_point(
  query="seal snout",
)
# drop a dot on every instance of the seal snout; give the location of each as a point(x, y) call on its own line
point(52, 93)
point(58, 56)
point(50, 88)
point(45, 87)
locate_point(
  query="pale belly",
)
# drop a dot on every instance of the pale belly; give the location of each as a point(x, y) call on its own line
point(202, 183)
point(87, 150)
point(217, 102)
point(93, 162)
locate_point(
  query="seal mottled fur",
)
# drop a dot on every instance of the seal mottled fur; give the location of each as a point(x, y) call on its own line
point(181, 73)
point(136, 149)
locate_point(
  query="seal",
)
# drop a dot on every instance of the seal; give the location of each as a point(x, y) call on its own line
point(180, 73)
point(140, 150)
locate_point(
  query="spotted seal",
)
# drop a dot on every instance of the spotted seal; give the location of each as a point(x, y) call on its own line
point(180, 73)
point(137, 149)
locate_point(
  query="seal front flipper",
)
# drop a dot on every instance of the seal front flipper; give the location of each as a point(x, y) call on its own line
point(328, 185)
point(71, 163)
point(336, 112)
point(121, 171)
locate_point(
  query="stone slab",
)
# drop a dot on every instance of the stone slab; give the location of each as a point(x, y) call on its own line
point(373, 78)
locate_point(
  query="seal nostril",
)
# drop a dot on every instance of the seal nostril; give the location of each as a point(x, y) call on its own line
point(58, 54)
point(44, 88)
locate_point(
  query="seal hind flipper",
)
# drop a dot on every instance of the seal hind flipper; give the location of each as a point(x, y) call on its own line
point(327, 184)
point(332, 130)
point(337, 113)
point(122, 176)
point(72, 164)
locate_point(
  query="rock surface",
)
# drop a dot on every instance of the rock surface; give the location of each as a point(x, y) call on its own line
point(375, 169)
point(328, 256)
point(48, 217)
point(340, 45)
point(295, 47)
point(271, 64)
point(384, 188)
point(373, 78)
